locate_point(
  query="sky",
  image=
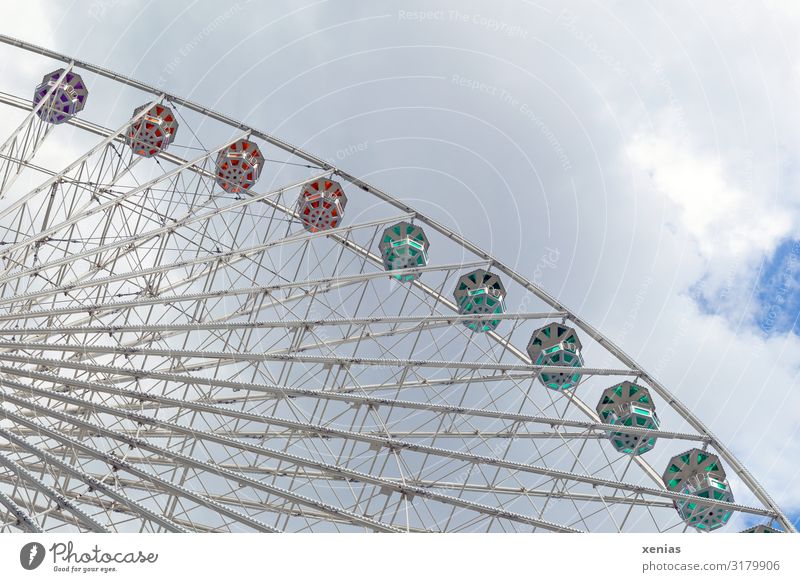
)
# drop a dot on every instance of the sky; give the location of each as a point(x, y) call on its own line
point(639, 160)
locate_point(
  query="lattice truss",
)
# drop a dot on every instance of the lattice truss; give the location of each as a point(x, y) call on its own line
point(182, 352)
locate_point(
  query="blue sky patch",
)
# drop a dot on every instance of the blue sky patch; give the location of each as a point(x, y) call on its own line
point(770, 295)
point(778, 291)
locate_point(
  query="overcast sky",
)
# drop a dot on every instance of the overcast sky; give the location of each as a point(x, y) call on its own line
point(648, 150)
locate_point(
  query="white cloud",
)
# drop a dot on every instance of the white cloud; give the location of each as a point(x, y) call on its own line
point(31, 21)
point(726, 221)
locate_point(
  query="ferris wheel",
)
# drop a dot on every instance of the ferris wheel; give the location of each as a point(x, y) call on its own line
point(204, 328)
